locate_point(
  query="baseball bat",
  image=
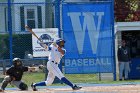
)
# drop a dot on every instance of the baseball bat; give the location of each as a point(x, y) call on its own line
point(31, 31)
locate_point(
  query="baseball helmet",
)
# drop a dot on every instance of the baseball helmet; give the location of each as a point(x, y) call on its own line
point(60, 42)
point(17, 62)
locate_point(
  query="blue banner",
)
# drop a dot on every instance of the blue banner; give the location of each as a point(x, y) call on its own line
point(87, 30)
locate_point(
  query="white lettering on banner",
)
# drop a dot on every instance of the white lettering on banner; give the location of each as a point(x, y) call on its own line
point(89, 24)
point(87, 62)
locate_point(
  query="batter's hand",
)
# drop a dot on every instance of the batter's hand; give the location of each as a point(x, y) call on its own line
point(54, 44)
point(31, 69)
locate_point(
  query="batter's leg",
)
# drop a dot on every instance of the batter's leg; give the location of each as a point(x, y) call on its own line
point(57, 72)
point(49, 81)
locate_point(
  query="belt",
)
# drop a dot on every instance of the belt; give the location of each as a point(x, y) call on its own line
point(54, 62)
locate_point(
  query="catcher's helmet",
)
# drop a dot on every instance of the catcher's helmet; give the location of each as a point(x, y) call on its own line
point(60, 42)
point(17, 62)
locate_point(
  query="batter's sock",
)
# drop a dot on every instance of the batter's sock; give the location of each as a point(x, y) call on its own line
point(40, 84)
point(66, 81)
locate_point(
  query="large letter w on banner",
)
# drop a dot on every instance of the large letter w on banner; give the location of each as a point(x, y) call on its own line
point(89, 24)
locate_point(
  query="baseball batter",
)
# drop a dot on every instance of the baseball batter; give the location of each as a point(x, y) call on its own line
point(57, 51)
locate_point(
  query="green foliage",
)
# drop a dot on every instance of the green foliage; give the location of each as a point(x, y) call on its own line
point(127, 10)
point(4, 45)
point(20, 44)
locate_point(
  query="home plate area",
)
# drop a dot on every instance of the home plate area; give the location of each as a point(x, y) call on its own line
point(92, 88)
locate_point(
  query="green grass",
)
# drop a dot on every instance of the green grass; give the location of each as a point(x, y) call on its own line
point(33, 77)
point(82, 78)
point(75, 78)
point(92, 78)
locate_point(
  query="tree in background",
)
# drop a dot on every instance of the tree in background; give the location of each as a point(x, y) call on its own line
point(136, 8)
point(3, 48)
point(127, 10)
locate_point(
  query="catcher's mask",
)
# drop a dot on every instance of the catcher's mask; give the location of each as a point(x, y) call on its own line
point(17, 62)
point(60, 42)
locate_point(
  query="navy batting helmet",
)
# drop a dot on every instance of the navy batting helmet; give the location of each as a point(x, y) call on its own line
point(60, 42)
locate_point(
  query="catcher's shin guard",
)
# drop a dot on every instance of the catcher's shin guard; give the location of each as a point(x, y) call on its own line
point(4, 84)
point(23, 86)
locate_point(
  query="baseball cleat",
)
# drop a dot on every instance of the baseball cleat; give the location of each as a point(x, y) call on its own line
point(33, 87)
point(75, 87)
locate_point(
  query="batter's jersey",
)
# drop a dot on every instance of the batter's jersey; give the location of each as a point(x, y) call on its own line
point(55, 55)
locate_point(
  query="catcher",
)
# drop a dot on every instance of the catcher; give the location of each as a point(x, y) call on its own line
point(14, 75)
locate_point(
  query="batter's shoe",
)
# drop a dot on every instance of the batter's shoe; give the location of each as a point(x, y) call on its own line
point(33, 87)
point(75, 87)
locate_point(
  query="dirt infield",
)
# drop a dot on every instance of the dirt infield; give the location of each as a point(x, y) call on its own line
point(85, 89)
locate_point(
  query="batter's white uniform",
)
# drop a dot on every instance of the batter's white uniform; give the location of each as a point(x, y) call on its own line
point(52, 65)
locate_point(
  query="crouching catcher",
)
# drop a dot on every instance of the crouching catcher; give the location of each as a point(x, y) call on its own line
point(14, 75)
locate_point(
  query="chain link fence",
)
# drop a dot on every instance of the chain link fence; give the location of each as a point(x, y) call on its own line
point(35, 14)
point(15, 40)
